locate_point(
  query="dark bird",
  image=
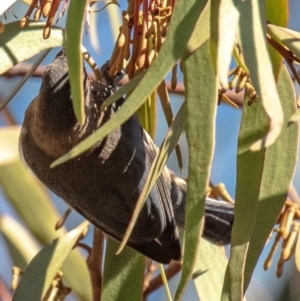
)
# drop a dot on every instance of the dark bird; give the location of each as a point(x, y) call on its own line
point(104, 183)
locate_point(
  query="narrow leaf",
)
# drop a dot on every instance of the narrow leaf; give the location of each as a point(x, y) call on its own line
point(201, 100)
point(22, 246)
point(209, 271)
point(167, 109)
point(9, 151)
point(201, 30)
point(277, 13)
point(276, 178)
point(18, 45)
point(254, 47)
point(123, 275)
point(286, 37)
point(33, 205)
point(45, 265)
point(182, 24)
point(74, 27)
point(24, 79)
point(147, 115)
point(254, 125)
point(224, 25)
point(157, 167)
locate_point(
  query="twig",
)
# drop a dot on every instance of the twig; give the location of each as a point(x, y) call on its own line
point(293, 69)
point(21, 69)
point(153, 266)
point(94, 262)
point(156, 282)
point(287, 54)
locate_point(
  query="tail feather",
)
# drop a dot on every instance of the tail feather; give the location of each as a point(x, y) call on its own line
point(219, 215)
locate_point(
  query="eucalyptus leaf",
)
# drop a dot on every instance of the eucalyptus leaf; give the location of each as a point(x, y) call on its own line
point(276, 178)
point(201, 30)
point(32, 203)
point(184, 18)
point(45, 265)
point(201, 102)
point(277, 12)
point(224, 23)
point(254, 125)
point(74, 28)
point(286, 37)
point(9, 151)
point(252, 27)
point(147, 115)
point(123, 275)
point(157, 167)
point(209, 271)
point(22, 246)
point(18, 45)
point(167, 109)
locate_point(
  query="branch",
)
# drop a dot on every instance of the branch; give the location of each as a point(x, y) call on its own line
point(22, 68)
point(173, 269)
point(94, 262)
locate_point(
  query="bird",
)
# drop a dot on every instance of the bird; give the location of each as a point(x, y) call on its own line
point(104, 183)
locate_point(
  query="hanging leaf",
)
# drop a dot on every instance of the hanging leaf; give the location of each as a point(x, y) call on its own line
point(201, 101)
point(45, 265)
point(19, 45)
point(123, 275)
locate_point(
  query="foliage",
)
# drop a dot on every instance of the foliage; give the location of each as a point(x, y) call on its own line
point(204, 36)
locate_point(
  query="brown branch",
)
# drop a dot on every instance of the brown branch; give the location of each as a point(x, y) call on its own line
point(287, 54)
point(22, 68)
point(293, 69)
point(94, 262)
point(173, 269)
point(153, 266)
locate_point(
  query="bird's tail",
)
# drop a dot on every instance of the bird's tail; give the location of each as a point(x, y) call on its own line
point(219, 215)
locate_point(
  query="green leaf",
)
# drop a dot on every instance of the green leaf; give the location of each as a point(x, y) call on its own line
point(201, 31)
point(24, 79)
point(147, 115)
point(33, 205)
point(9, 151)
point(45, 265)
point(254, 125)
point(295, 117)
point(253, 41)
point(201, 101)
point(74, 27)
point(209, 271)
point(276, 178)
point(277, 13)
point(286, 37)
point(182, 24)
point(123, 275)
point(22, 247)
point(19, 44)
point(167, 109)
point(224, 23)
